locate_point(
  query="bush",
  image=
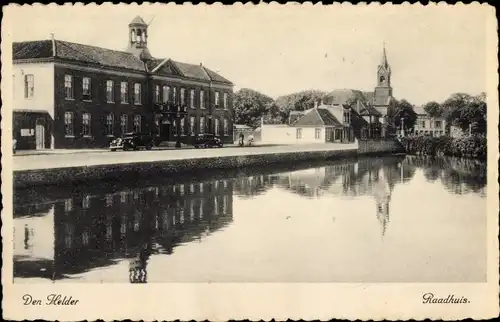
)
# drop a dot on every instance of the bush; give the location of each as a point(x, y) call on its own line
point(466, 147)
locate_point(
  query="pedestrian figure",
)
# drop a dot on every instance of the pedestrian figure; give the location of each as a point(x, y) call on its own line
point(242, 139)
point(250, 140)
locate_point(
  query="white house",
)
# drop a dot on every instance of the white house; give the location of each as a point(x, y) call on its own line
point(427, 125)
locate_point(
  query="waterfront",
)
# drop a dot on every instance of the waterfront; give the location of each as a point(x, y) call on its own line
point(390, 219)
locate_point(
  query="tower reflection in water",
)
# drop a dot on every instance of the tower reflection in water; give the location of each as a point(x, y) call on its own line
point(374, 177)
point(60, 234)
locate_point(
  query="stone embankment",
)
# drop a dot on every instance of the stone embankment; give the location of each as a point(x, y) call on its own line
point(74, 168)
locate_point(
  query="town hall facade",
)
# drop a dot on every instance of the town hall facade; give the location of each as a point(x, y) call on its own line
point(69, 95)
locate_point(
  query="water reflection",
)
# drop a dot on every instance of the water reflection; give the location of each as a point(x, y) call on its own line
point(64, 233)
point(99, 228)
point(376, 177)
point(459, 176)
point(349, 178)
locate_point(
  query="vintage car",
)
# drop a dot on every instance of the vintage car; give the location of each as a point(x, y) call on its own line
point(132, 141)
point(207, 141)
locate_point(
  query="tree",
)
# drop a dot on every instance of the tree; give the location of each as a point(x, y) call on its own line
point(250, 106)
point(299, 101)
point(433, 109)
point(463, 110)
point(404, 110)
point(274, 114)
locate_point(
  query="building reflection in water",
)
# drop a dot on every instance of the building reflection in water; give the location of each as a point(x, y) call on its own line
point(65, 232)
point(97, 227)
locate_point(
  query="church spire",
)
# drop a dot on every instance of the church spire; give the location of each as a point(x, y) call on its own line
point(384, 63)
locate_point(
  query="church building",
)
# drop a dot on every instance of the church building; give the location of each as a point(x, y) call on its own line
point(379, 104)
point(346, 114)
point(70, 95)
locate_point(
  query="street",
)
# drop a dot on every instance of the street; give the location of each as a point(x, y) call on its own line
point(91, 157)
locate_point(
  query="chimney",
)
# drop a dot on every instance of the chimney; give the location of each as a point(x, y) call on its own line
point(201, 65)
point(53, 44)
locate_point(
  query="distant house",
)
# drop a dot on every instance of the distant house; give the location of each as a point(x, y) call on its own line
point(324, 123)
point(427, 125)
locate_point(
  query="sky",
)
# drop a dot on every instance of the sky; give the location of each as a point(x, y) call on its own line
point(433, 50)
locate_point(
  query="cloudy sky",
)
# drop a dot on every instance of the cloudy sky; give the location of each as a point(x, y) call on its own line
point(433, 50)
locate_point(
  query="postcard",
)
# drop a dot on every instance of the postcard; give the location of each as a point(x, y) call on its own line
point(249, 161)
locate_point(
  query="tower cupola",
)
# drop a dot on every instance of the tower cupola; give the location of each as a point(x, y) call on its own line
point(138, 38)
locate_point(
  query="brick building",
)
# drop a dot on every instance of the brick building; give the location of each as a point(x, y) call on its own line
point(69, 95)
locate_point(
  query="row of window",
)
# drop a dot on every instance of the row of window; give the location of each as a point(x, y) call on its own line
point(69, 125)
point(191, 130)
point(432, 133)
point(437, 124)
point(129, 196)
point(69, 92)
point(163, 94)
point(317, 134)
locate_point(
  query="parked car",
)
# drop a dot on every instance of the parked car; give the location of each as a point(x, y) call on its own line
point(207, 141)
point(132, 141)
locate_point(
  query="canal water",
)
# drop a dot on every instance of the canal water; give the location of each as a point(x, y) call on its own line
point(391, 219)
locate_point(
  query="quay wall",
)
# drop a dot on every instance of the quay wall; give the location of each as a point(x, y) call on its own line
point(374, 147)
point(134, 171)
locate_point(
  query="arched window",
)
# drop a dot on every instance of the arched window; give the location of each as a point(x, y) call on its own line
point(139, 35)
point(132, 35)
point(382, 79)
point(144, 36)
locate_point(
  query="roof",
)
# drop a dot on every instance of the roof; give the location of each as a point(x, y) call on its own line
point(328, 118)
point(107, 58)
point(138, 21)
point(368, 96)
point(341, 96)
point(419, 110)
point(76, 52)
point(272, 125)
point(318, 117)
point(336, 111)
point(365, 109)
